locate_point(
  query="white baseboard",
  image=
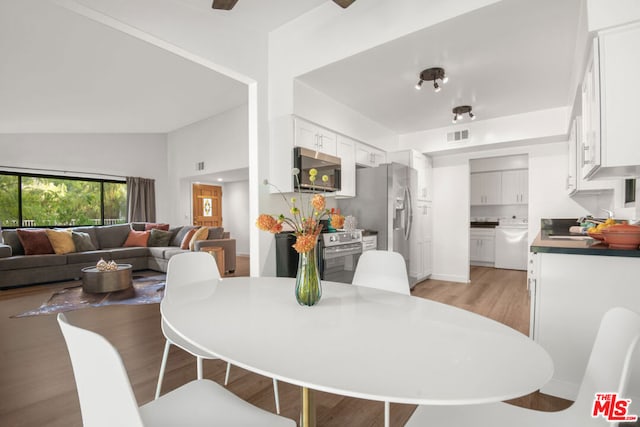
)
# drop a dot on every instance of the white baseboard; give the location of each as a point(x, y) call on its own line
point(450, 278)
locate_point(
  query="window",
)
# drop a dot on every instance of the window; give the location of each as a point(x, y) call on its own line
point(48, 201)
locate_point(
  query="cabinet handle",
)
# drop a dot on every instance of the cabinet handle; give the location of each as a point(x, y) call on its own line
point(585, 150)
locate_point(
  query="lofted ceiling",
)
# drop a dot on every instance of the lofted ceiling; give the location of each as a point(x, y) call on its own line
point(511, 57)
point(62, 72)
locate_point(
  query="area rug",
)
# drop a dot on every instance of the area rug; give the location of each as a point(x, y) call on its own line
point(145, 290)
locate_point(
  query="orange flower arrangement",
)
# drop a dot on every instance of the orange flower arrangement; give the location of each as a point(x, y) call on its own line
point(305, 219)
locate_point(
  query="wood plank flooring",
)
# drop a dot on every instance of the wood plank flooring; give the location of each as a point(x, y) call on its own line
point(36, 380)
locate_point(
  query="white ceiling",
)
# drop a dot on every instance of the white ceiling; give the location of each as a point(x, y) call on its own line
point(61, 72)
point(512, 57)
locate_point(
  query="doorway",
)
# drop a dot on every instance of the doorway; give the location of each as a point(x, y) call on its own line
point(207, 205)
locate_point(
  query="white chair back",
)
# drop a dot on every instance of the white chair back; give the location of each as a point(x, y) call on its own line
point(384, 270)
point(104, 389)
point(610, 361)
point(190, 267)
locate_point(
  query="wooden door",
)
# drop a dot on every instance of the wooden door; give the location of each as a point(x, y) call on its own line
point(207, 205)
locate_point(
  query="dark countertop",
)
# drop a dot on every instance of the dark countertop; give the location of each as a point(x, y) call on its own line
point(483, 224)
point(369, 233)
point(554, 237)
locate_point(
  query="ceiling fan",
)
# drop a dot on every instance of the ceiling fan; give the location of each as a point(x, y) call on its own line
point(228, 4)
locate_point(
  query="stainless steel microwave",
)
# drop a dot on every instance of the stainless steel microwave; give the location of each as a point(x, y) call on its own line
point(305, 160)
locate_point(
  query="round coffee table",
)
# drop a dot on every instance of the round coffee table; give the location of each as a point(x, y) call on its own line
point(96, 281)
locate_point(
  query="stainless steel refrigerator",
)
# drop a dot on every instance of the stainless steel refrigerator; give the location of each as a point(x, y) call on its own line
point(384, 202)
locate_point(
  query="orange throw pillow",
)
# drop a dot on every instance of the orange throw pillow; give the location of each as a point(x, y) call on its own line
point(137, 238)
point(187, 238)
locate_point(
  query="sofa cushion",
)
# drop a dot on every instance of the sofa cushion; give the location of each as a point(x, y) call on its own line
point(112, 236)
point(35, 242)
point(136, 238)
point(155, 225)
point(88, 257)
point(82, 241)
point(179, 233)
point(91, 231)
point(215, 233)
point(61, 241)
point(187, 238)
point(201, 234)
point(11, 238)
point(5, 251)
point(171, 251)
point(158, 237)
point(32, 261)
point(133, 252)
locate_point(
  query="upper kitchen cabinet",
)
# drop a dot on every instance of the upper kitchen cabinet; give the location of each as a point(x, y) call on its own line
point(576, 184)
point(369, 156)
point(422, 164)
point(610, 92)
point(314, 137)
point(486, 188)
point(515, 187)
point(346, 151)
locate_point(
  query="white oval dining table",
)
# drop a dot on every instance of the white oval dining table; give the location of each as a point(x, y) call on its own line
point(359, 342)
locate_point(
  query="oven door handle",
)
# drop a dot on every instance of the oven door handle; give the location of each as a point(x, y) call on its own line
point(335, 253)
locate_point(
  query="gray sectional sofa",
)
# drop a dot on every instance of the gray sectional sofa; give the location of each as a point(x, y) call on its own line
point(18, 269)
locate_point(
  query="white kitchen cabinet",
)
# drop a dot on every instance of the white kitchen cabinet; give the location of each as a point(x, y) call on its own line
point(421, 247)
point(610, 92)
point(369, 156)
point(576, 184)
point(482, 246)
point(314, 137)
point(346, 152)
point(486, 188)
point(422, 164)
point(515, 187)
point(570, 294)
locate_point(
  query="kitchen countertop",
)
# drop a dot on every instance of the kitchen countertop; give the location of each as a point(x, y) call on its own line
point(553, 243)
point(483, 224)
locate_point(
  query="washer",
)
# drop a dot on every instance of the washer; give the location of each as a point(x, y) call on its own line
point(511, 243)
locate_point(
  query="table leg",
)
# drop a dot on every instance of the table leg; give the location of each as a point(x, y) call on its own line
point(308, 408)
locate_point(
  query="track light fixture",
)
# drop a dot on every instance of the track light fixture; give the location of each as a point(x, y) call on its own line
point(433, 74)
point(459, 111)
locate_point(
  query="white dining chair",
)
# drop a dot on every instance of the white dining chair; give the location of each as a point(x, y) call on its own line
point(184, 270)
point(607, 371)
point(107, 399)
point(385, 270)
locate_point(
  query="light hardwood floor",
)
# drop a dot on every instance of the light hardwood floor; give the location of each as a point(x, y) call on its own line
point(37, 386)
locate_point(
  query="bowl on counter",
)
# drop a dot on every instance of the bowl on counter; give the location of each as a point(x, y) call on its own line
point(598, 235)
point(622, 236)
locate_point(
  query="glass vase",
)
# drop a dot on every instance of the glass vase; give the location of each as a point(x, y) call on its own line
point(308, 289)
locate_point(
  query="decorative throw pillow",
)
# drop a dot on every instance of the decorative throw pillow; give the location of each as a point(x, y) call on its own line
point(61, 241)
point(136, 238)
point(216, 233)
point(159, 237)
point(35, 242)
point(201, 234)
point(82, 241)
point(160, 226)
point(187, 238)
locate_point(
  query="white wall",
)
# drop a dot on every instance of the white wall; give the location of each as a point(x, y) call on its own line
point(221, 142)
point(316, 106)
point(451, 200)
point(139, 155)
point(235, 214)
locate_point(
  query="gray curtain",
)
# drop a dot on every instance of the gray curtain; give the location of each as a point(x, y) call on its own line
point(141, 199)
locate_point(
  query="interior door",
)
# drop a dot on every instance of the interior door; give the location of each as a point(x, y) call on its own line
point(207, 205)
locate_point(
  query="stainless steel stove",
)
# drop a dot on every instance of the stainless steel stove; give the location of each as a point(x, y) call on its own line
point(340, 254)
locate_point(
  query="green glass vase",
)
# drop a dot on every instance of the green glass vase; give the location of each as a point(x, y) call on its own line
point(308, 288)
